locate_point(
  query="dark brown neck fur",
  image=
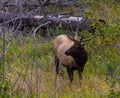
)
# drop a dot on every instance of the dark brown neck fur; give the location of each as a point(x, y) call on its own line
point(81, 59)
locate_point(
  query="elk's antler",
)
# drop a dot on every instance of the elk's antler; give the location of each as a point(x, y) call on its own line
point(87, 39)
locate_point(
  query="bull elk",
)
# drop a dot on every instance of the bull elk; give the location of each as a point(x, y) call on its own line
point(71, 54)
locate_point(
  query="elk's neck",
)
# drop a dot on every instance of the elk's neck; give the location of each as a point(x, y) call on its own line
point(81, 60)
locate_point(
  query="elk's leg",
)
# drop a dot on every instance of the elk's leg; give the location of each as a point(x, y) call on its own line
point(70, 74)
point(80, 75)
point(56, 70)
point(56, 65)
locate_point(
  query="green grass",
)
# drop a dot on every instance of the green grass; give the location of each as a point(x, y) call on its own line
point(29, 63)
point(24, 56)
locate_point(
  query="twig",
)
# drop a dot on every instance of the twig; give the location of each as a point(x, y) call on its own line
point(3, 57)
point(96, 89)
point(17, 78)
point(54, 93)
point(36, 29)
point(55, 7)
point(13, 19)
point(7, 47)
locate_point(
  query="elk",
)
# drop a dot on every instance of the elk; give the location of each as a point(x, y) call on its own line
point(71, 54)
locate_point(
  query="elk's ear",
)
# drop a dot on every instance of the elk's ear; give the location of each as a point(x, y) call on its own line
point(82, 44)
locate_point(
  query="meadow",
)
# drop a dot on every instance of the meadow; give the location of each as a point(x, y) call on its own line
point(29, 63)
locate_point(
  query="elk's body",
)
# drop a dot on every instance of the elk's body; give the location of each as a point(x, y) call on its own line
point(71, 54)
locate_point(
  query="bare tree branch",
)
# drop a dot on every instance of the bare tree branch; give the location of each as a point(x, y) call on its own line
point(36, 29)
point(55, 6)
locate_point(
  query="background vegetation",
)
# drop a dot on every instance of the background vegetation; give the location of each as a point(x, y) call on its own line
point(29, 62)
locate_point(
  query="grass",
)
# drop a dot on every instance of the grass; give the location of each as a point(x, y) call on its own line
point(30, 71)
point(29, 63)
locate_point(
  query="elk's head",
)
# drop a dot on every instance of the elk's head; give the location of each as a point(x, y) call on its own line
point(76, 49)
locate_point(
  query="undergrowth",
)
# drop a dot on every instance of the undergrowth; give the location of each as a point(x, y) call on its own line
point(29, 63)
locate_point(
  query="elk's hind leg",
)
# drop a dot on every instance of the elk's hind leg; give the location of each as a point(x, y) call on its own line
point(56, 70)
point(56, 65)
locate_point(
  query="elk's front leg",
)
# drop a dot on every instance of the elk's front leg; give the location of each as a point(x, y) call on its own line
point(80, 71)
point(70, 74)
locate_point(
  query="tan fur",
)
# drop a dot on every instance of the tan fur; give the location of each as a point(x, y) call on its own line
point(61, 44)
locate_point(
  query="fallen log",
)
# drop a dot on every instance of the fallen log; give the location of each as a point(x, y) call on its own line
point(70, 22)
point(26, 22)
